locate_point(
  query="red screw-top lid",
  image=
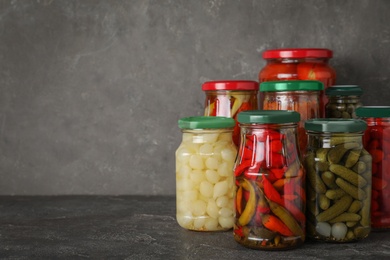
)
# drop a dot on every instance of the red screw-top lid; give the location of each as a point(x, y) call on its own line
point(231, 85)
point(298, 53)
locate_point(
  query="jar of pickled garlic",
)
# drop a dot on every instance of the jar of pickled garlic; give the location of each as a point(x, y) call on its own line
point(338, 171)
point(298, 95)
point(376, 141)
point(204, 174)
point(228, 98)
point(269, 177)
point(343, 101)
point(299, 64)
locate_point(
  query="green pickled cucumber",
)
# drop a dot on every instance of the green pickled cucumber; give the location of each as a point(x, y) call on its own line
point(323, 202)
point(328, 178)
point(361, 232)
point(365, 211)
point(359, 167)
point(336, 209)
point(345, 217)
point(355, 192)
point(356, 205)
point(336, 153)
point(348, 174)
point(322, 154)
point(352, 158)
point(314, 179)
point(321, 166)
point(335, 194)
point(351, 223)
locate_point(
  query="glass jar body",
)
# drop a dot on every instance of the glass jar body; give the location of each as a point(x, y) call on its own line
point(300, 69)
point(270, 188)
point(338, 187)
point(306, 103)
point(376, 140)
point(204, 180)
point(342, 106)
point(229, 103)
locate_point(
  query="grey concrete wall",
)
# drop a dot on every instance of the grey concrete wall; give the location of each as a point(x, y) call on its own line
point(91, 91)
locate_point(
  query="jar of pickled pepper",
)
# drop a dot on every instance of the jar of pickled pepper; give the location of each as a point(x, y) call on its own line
point(298, 95)
point(204, 174)
point(338, 171)
point(228, 98)
point(270, 182)
point(299, 64)
point(343, 101)
point(376, 141)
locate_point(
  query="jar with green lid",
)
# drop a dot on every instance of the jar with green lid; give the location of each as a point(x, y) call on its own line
point(269, 178)
point(376, 141)
point(302, 96)
point(204, 174)
point(338, 170)
point(343, 101)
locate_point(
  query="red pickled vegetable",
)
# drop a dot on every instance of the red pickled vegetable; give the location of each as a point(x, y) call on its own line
point(275, 224)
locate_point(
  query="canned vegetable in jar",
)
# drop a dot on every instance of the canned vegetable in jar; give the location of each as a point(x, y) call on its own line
point(299, 64)
point(338, 186)
point(376, 140)
point(204, 174)
point(299, 95)
point(343, 101)
point(228, 98)
point(270, 195)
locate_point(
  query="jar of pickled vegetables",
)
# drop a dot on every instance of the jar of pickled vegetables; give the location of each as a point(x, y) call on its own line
point(376, 141)
point(204, 174)
point(338, 171)
point(343, 101)
point(299, 64)
point(228, 98)
point(298, 95)
point(270, 193)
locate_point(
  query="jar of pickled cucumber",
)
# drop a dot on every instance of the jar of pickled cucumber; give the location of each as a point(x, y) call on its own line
point(302, 96)
point(376, 141)
point(338, 171)
point(204, 174)
point(299, 64)
point(270, 192)
point(228, 98)
point(343, 101)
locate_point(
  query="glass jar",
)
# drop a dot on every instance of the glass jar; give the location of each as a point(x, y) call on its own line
point(376, 141)
point(338, 171)
point(228, 98)
point(299, 95)
point(270, 180)
point(299, 64)
point(343, 101)
point(204, 174)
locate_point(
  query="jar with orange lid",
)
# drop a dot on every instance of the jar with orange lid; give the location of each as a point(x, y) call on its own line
point(229, 97)
point(299, 64)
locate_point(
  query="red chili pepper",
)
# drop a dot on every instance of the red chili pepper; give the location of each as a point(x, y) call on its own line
point(246, 153)
point(241, 167)
point(278, 172)
point(377, 155)
point(275, 160)
point(238, 232)
point(276, 146)
point(270, 192)
point(275, 224)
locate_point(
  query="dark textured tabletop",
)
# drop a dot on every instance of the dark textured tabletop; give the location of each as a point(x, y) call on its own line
point(136, 227)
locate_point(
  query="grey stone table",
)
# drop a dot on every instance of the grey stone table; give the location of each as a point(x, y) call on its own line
point(133, 227)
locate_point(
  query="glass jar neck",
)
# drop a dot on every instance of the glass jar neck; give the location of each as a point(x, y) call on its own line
point(298, 60)
point(344, 99)
point(328, 140)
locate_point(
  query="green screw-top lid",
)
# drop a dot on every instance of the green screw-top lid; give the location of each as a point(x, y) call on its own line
point(206, 122)
point(335, 125)
point(268, 116)
point(344, 90)
point(373, 111)
point(291, 85)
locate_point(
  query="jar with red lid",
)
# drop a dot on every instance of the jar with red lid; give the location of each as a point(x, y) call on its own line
point(299, 64)
point(270, 182)
point(229, 97)
point(298, 95)
point(376, 141)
